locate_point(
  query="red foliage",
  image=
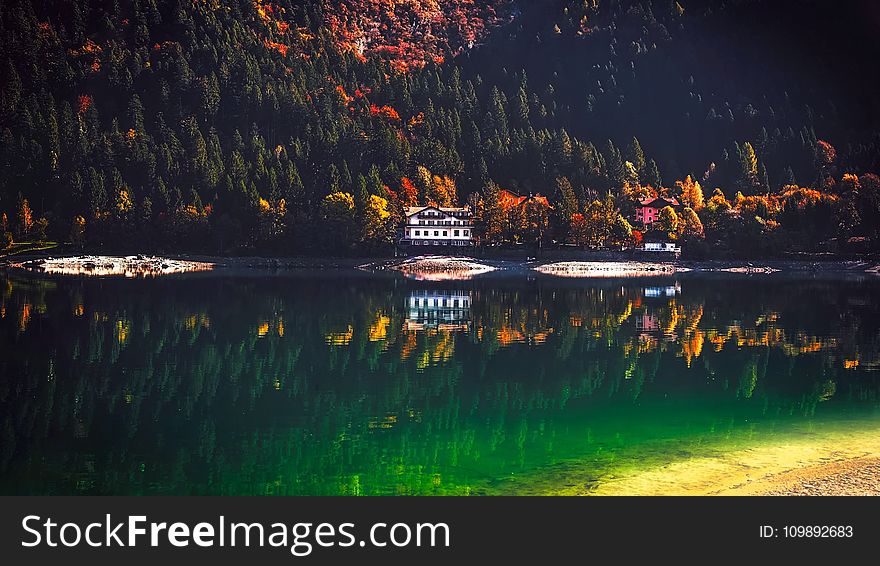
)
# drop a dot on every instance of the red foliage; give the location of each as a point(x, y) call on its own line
point(509, 200)
point(279, 47)
point(637, 237)
point(384, 111)
point(44, 30)
point(85, 102)
point(409, 194)
point(409, 33)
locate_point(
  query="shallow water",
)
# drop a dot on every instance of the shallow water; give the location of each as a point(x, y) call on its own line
point(344, 383)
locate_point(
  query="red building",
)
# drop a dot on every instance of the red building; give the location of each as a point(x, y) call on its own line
point(648, 210)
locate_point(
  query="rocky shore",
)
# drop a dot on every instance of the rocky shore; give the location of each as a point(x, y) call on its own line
point(105, 266)
point(857, 476)
point(435, 267)
point(440, 268)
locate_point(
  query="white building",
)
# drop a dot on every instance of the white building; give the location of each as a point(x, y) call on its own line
point(438, 226)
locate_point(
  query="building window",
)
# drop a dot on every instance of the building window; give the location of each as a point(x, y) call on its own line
point(466, 233)
point(455, 232)
point(436, 233)
point(417, 232)
point(445, 232)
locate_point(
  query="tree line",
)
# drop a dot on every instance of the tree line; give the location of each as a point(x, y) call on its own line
point(169, 125)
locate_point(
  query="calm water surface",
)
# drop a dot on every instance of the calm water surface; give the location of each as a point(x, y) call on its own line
point(346, 383)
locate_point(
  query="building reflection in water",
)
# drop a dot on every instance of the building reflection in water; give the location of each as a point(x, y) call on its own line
point(440, 309)
point(663, 291)
point(648, 318)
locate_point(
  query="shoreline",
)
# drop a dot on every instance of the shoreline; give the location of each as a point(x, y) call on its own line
point(839, 462)
point(584, 265)
point(847, 477)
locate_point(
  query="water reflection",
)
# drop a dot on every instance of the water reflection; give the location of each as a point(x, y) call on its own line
point(440, 309)
point(331, 384)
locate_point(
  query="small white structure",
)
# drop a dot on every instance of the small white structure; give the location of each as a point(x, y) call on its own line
point(440, 309)
point(667, 247)
point(438, 226)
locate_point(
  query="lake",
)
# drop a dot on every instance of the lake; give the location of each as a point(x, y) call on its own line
point(343, 382)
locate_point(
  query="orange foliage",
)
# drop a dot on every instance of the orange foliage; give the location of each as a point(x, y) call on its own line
point(416, 120)
point(509, 200)
point(409, 194)
point(825, 152)
point(279, 47)
point(384, 111)
point(344, 95)
point(409, 33)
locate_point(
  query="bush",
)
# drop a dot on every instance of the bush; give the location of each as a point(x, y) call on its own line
point(6, 241)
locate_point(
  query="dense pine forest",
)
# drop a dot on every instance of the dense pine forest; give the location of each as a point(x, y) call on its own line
point(297, 127)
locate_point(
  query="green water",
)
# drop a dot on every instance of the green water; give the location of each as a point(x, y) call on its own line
point(347, 383)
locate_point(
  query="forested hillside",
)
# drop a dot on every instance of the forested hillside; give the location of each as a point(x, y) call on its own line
point(298, 127)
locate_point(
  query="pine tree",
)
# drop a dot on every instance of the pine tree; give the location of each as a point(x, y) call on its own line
point(652, 175)
point(636, 156)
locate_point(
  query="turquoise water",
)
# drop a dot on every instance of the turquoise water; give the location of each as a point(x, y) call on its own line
point(340, 382)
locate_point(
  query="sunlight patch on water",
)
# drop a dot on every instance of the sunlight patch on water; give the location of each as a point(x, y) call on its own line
point(739, 464)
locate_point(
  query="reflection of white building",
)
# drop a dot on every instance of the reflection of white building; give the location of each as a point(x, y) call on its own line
point(667, 291)
point(438, 226)
point(436, 308)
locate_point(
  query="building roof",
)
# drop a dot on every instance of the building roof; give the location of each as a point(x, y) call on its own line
point(453, 210)
point(658, 202)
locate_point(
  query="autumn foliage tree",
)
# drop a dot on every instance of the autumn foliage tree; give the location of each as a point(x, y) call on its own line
point(24, 219)
point(691, 193)
point(667, 222)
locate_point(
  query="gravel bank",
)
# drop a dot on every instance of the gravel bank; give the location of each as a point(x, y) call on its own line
point(858, 476)
point(105, 266)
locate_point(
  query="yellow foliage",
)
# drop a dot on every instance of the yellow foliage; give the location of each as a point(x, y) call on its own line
point(123, 328)
point(124, 204)
point(379, 329)
point(340, 338)
point(263, 329)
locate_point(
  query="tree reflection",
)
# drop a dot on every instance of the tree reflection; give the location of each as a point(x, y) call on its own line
point(348, 385)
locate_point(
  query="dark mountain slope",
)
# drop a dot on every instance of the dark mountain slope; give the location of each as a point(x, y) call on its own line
point(222, 125)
